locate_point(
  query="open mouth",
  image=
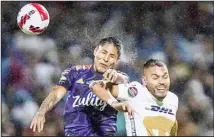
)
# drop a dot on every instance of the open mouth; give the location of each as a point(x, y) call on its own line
point(161, 89)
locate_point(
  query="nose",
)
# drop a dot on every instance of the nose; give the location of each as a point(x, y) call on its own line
point(161, 81)
point(106, 58)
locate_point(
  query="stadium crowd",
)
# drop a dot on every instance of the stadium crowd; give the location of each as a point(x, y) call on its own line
point(179, 33)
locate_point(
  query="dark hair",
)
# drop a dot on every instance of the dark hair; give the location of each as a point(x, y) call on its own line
point(153, 62)
point(113, 40)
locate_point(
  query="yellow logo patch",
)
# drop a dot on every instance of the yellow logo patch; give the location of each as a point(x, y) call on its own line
point(63, 78)
point(80, 81)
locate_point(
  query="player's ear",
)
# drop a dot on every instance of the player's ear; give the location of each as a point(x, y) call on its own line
point(95, 50)
point(144, 81)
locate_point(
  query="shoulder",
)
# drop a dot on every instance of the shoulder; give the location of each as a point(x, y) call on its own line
point(172, 95)
point(135, 84)
point(173, 98)
point(130, 87)
point(83, 67)
point(79, 67)
point(75, 68)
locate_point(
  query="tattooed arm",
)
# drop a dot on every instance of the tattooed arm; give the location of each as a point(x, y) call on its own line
point(50, 101)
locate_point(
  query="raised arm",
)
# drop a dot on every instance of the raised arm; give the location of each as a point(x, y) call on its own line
point(53, 98)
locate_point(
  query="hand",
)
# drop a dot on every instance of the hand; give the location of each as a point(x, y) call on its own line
point(110, 75)
point(38, 122)
point(128, 108)
point(125, 107)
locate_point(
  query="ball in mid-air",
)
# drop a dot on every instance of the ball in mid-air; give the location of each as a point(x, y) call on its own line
point(33, 19)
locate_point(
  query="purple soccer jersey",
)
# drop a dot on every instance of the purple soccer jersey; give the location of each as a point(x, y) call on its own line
point(85, 114)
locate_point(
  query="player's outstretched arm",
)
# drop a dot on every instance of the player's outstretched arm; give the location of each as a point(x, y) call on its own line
point(101, 91)
point(50, 101)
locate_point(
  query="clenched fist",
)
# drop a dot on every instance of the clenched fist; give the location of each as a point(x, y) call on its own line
point(111, 75)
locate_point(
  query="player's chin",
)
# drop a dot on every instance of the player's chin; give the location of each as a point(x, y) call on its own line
point(101, 70)
point(161, 95)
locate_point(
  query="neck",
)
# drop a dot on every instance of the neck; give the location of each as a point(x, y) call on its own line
point(159, 99)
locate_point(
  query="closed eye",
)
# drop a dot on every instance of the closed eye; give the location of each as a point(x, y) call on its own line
point(166, 76)
point(155, 77)
point(112, 56)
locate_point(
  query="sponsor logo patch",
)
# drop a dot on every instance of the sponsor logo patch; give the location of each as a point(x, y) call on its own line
point(132, 92)
point(161, 110)
point(62, 79)
point(80, 81)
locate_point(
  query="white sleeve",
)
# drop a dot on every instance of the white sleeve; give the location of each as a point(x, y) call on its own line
point(128, 91)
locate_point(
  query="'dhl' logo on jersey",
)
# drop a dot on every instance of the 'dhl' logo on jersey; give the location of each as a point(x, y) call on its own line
point(161, 110)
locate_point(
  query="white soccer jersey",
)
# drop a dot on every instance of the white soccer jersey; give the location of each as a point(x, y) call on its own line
point(151, 117)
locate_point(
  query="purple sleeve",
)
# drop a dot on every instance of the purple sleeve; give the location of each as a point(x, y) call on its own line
point(67, 77)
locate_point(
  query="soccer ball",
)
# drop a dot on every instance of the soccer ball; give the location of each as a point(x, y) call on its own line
point(33, 19)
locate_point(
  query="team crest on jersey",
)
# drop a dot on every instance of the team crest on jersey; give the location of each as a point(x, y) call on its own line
point(132, 91)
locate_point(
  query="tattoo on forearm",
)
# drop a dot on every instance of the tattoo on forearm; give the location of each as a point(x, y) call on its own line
point(48, 103)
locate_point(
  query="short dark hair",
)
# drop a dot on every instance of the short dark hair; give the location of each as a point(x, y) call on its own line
point(153, 62)
point(113, 40)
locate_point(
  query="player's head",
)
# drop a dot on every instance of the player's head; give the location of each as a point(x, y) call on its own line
point(156, 78)
point(106, 54)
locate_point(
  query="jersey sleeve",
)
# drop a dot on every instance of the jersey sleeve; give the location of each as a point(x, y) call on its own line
point(67, 77)
point(128, 91)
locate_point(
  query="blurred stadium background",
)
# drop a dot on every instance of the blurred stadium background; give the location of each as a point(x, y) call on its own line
point(180, 33)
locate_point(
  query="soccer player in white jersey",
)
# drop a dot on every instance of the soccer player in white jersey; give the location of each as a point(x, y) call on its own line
point(154, 106)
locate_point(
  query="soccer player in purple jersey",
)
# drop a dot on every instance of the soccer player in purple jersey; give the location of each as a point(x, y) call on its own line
point(85, 114)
